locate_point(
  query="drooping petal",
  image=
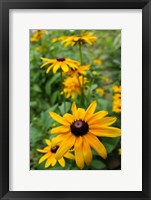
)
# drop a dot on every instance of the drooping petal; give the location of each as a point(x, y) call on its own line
point(78, 152)
point(96, 145)
point(62, 162)
point(58, 118)
point(56, 67)
point(90, 110)
point(64, 67)
point(65, 146)
point(53, 161)
point(49, 68)
point(60, 129)
point(103, 122)
point(87, 153)
point(43, 158)
point(45, 150)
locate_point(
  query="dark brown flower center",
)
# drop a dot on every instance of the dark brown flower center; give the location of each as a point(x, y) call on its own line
point(54, 149)
point(60, 59)
point(79, 128)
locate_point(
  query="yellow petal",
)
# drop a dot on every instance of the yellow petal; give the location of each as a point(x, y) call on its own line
point(60, 138)
point(45, 150)
point(90, 110)
point(62, 162)
point(69, 156)
point(56, 67)
point(48, 142)
point(102, 122)
point(48, 162)
point(69, 118)
point(97, 116)
point(43, 158)
point(74, 111)
point(87, 153)
point(49, 68)
point(58, 118)
point(65, 146)
point(107, 132)
point(96, 145)
point(78, 152)
point(64, 67)
point(44, 64)
point(53, 161)
point(81, 113)
point(60, 129)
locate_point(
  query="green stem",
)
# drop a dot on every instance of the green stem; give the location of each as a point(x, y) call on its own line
point(63, 91)
point(81, 85)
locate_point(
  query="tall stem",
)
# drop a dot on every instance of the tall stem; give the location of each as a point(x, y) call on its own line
point(63, 91)
point(82, 85)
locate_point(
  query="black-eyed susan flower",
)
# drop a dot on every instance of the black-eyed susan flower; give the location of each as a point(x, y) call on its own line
point(80, 130)
point(39, 34)
point(49, 155)
point(74, 39)
point(72, 86)
point(100, 91)
point(60, 63)
point(81, 70)
point(116, 88)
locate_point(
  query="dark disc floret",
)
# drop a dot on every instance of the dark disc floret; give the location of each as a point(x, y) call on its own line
point(54, 149)
point(79, 128)
point(60, 59)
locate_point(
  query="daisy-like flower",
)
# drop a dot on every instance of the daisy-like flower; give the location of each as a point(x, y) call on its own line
point(74, 39)
point(50, 151)
point(116, 88)
point(72, 86)
point(81, 70)
point(60, 63)
point(39, 34)
point(80, 130)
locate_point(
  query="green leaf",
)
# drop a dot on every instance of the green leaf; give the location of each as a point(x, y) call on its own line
point(110, 143)
point(36, 88)
point(64, 107)
point(97, 164)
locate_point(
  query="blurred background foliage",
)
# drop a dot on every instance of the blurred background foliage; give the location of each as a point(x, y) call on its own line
point(104, 58)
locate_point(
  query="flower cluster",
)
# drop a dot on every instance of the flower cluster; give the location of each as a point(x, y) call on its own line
point(37, 35)
point(116, 99)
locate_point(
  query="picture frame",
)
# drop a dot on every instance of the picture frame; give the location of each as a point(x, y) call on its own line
point(6, 5)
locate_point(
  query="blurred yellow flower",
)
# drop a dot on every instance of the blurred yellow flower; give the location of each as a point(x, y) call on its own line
point(100, 91)
point(97, 62)
point(74, 39)
point(116, 88)
point(117, 96)
point(105, 79)
point(39, 48)
point(72, 86)
point(116, 106)
point(119, 151)
point(80, 130)
point(63, 63)
point(39, 34)
point(81, 70)
point(50, 152)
